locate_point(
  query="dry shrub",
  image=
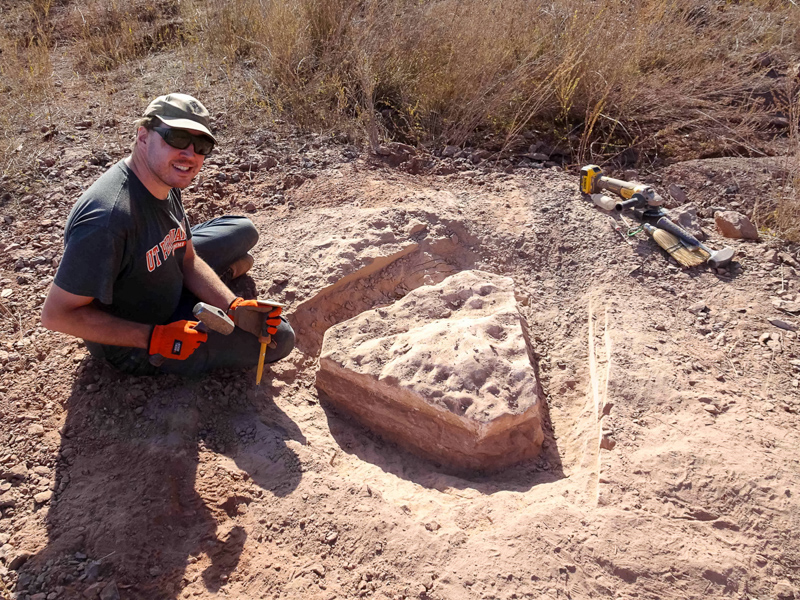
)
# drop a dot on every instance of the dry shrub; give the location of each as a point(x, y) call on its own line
point(25, 75)
point(111, 32)
point(604, 76)
point(787, 213)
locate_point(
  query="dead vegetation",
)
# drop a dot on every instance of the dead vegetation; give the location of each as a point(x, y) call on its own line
point(609, 81)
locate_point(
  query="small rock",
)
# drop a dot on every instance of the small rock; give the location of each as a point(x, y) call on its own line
point(432, 526)
point(43, 497)
point(783, 325)
point(268, 162)
point(607, 442)
point(35, 429)
point(6, 293)
point(731, 190)
point(764, 338)
point(450, 151)
point(18, 471)
point(478, 156)
point(93, 590)
point(19, 559)
point(92, 387)
point(786, 306)
point(697, 308)
point(416, 226)
point(250, 207)
point(686, 217)
point(249, 166)
point(787, 258)
point(331, 537)
point(110, 592)
point(784, 590)
point(318, 569)
point(92, 571)
point(677, 193)
point(733, 224)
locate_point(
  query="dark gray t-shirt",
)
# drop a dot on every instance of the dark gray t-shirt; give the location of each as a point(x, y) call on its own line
point(125, 248)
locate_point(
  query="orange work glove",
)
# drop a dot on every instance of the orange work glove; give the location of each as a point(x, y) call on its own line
point(176, 340)
point(252, 315)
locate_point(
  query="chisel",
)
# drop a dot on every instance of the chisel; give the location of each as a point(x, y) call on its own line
point(265, 339)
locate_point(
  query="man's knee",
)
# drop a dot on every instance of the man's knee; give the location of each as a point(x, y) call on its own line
point(246, 232)
point(284, 340)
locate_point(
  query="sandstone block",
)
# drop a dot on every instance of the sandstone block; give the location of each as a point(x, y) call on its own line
point(445, 372)
point(733, 224)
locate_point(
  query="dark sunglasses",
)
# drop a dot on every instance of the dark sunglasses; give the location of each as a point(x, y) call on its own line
point(180, 139)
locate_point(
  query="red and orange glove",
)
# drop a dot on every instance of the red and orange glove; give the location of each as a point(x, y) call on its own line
point(256, 316)
point(176, 340)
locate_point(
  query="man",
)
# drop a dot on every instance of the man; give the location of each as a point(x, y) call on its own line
point(133, 269)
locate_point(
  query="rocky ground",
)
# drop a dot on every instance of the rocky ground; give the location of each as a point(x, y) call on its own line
point(670, 464)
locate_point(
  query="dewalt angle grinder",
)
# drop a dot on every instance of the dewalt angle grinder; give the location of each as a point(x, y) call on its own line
point(642, 198)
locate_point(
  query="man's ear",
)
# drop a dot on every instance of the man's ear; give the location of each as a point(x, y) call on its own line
point(141, 135)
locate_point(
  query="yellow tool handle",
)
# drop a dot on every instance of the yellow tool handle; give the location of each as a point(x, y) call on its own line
point(261, 354)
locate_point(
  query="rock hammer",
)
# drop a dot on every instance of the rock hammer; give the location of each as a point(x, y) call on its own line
point(210, 318)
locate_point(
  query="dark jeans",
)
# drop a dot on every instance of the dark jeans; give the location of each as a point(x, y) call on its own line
point(219, 242)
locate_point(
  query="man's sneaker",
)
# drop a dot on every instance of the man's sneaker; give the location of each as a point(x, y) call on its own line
point(239, 267)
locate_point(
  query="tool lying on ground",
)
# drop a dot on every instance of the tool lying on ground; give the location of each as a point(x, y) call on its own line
point(261, 318)
point(645, 203)
point(180, 339)
point(635, 195)
point(716, 258)
point(674, 247)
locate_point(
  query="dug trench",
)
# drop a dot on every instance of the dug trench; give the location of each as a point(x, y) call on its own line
point(654, 479)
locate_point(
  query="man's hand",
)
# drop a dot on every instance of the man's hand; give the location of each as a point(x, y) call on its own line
point(251, 315)
point(176, 340)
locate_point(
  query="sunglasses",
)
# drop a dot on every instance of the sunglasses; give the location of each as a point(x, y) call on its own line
point(180, 139)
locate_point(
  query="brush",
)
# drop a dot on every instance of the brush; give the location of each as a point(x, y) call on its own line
point(674, 247)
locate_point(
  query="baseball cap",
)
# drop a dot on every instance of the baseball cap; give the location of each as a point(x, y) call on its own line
point(182, 112)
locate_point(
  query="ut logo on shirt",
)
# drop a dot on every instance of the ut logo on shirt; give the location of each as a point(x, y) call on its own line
point(176, 238)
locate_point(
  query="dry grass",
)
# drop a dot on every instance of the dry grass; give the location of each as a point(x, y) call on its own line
point(112, 32)
point(787, 213)
point(610, 80)
point(25, 73)
point(603, 77)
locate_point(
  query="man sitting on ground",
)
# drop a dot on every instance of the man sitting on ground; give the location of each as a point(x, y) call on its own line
point(133, 268)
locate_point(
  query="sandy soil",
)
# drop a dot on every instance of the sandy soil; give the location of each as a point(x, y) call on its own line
point(670, 464)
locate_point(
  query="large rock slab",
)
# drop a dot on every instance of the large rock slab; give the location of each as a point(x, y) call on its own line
point(445, 372)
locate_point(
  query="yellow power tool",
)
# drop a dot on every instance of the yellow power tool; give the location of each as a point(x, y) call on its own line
point(634, 195)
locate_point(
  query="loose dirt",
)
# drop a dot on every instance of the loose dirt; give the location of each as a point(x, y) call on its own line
point(669, 469)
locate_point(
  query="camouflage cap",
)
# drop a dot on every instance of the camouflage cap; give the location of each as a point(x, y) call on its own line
point(182, 112)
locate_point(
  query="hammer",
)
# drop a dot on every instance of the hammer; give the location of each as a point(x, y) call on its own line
point(213, 318)
point(716, 258)
point(210, 317)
